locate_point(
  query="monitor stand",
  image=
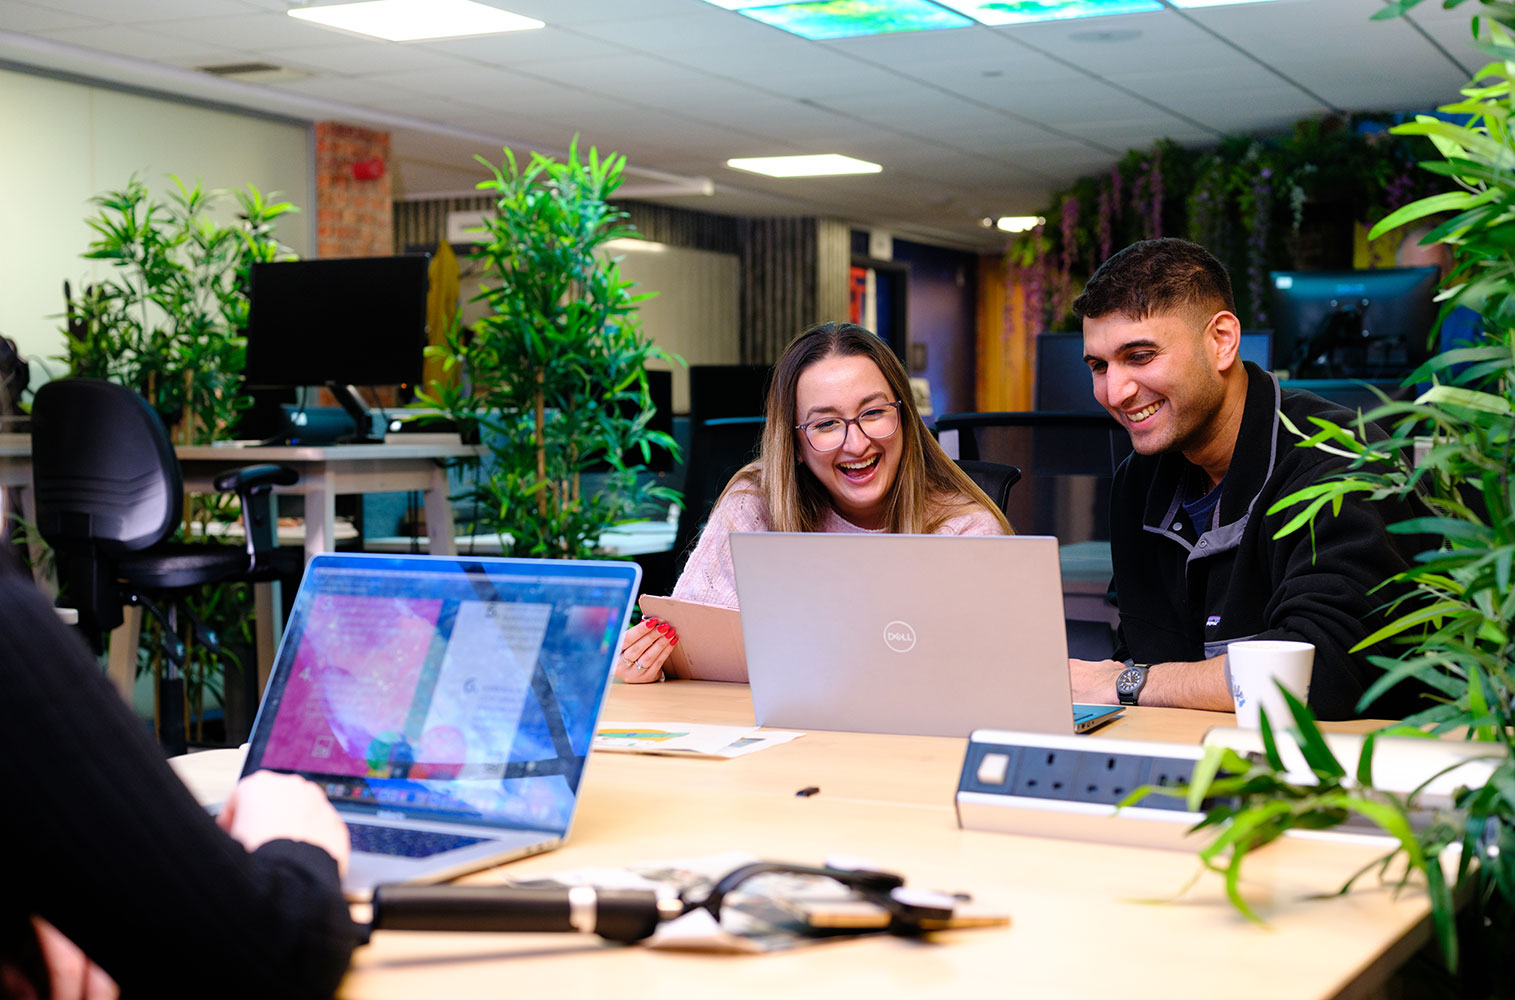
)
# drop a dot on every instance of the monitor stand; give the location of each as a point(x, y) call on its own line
point(353, 403)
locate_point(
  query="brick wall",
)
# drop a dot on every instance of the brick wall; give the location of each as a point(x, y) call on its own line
point(354, 218)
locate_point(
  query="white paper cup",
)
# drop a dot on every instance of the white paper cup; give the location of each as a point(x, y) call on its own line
point(1258, 667)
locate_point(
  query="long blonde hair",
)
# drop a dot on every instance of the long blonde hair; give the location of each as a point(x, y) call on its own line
point(928, 489)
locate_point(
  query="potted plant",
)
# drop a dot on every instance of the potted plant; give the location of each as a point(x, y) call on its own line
point(554, 376)
point(167, 320)
point(1458, 634)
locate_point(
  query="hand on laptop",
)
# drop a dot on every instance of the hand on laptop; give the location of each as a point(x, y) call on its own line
point(644, 649)
point(269, 806)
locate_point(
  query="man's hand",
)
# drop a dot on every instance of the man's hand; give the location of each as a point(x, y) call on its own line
point(1094, 681)
point(1201, 684)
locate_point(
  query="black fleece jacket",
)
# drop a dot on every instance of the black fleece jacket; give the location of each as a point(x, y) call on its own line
point(104, 841)
point(1185, 591)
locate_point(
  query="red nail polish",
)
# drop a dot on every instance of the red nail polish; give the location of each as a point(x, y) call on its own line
point(649, 622)
point(663, 628)
point(674, 641)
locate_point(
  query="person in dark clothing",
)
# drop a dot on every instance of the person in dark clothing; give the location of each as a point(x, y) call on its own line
point(110, 857)
point(1196, 562)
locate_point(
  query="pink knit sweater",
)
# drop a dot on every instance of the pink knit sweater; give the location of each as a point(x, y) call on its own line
point(709, 577)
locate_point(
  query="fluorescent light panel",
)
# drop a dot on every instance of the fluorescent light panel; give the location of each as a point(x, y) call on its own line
point(1025, 11)
point(821, 19)
point(1214, 3)
point(1019, 223)
point(816, 165)
point(414, 20)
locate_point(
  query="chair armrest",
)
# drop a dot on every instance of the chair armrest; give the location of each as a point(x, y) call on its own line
point(252, 476)
point(255, 483)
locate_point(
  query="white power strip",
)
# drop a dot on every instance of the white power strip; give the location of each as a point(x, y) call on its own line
point(1068, 787)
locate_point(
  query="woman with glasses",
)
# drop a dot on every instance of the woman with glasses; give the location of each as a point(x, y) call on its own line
point(844, 450)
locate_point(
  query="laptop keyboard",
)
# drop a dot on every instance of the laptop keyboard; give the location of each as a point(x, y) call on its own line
point(403, 843)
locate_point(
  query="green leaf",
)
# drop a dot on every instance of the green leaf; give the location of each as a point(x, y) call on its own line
point(1450, 202)
point(1311, 743)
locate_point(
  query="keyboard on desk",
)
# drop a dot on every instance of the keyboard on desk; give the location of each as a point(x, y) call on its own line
point(404, 843)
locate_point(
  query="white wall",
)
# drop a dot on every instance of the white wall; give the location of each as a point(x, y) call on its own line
point(695, 314)
point(66, 142)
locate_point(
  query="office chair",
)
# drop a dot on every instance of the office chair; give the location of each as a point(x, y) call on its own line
point(994, 478)
point(718, 448)
point(1067, 462)
point(109, 497)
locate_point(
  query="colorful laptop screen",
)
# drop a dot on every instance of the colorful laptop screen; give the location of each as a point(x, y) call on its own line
point(468, 687)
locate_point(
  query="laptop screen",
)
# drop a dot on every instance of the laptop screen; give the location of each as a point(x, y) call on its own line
point(459, 687)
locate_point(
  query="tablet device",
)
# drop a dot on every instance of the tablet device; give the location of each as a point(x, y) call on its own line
point(710, 639)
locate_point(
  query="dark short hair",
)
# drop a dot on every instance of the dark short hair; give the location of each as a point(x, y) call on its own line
point(1157, 277)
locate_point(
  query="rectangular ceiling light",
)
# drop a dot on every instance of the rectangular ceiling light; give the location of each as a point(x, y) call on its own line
point(415, 20)
point(1213, 3)
point(818, 165)
point(820, 19)
point(1024, 11)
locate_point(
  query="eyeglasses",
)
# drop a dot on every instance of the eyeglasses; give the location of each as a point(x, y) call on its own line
point(830, 433)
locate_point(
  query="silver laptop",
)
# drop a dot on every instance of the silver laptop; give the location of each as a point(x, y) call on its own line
point(446, 705)
point(931, 635)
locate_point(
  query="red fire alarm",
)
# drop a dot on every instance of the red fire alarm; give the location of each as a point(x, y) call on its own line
point(370, 169)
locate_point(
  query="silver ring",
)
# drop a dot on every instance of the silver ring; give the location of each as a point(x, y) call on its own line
point(640, 665)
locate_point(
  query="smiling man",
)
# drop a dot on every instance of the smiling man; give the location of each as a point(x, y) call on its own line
point(1196, 563)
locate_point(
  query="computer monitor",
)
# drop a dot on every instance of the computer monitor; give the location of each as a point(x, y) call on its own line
point(728, 390)
point(1062, 378)
point(1352, 324)
point(339, 323)
point(1256, 346)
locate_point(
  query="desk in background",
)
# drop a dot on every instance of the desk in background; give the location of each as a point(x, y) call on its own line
point(1076, 928)
point(327, 471)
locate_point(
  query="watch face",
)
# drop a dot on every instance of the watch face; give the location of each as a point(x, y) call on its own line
point(1129, 680)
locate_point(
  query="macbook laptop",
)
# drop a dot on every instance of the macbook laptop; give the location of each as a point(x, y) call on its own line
point(931, 635)
point(447, 705)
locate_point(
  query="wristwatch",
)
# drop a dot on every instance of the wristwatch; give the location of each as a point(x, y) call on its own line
point(1129, 683)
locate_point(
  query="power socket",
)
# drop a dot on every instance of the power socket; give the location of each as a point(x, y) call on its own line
point(1068, 787)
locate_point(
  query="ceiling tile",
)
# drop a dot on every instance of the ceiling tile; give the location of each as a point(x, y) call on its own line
point(517, 48)
point(129, 41)
point(25, 17)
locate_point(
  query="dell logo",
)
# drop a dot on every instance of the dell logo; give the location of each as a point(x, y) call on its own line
point(899, 636)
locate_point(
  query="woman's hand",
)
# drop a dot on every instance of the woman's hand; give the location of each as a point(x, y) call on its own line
point(269, 806)
point(645, 647)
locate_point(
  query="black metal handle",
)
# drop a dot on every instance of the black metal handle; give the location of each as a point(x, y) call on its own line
point(614, 914)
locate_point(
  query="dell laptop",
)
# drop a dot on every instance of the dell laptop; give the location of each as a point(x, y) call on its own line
point(446, 705)
point(931, 635)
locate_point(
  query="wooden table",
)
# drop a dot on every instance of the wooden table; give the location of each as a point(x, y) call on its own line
point(327, 471)
point(1078, 928)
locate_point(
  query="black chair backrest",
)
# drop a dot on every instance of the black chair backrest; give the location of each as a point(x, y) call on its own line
point(1066, 462)
point(718, 449)
point(994, 478)
point(103, 469)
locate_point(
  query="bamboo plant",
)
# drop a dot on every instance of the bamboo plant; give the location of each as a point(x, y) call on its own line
point(554, 376)
point(168, 320)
